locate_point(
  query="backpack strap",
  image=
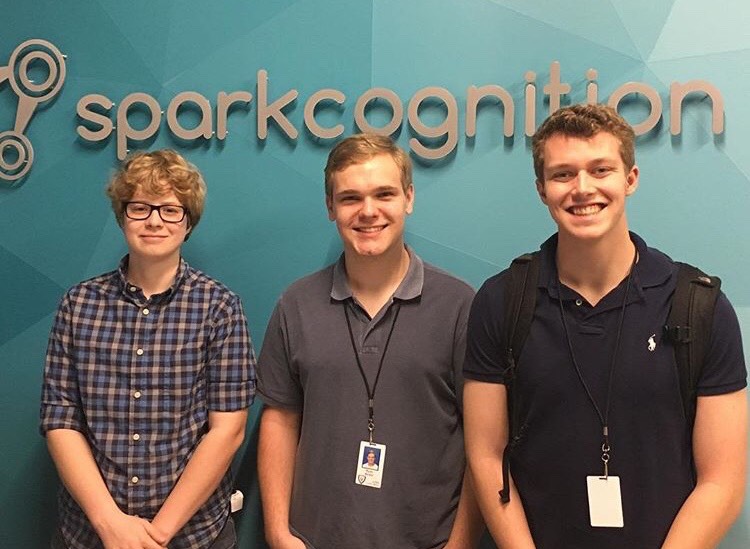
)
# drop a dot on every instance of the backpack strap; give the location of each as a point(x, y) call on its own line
point(689, 329)
point(520, 297)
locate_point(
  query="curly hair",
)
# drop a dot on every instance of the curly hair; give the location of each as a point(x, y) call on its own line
point(158, 173)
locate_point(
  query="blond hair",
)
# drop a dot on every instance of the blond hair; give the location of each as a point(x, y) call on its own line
point(158, 173)
point(360, 148)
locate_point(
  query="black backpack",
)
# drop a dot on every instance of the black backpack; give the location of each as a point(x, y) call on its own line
point(688, 328)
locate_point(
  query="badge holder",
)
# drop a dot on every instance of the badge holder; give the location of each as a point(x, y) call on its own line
point(605, 498)
point(370, 464)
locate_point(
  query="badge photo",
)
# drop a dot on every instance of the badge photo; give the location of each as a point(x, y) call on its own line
point(370, 464)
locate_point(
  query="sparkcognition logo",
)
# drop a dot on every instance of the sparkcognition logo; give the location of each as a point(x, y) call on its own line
point(435, 136)
point(37, 57)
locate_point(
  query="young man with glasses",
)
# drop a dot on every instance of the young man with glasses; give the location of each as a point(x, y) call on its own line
point(602, 452)
point(149, 374)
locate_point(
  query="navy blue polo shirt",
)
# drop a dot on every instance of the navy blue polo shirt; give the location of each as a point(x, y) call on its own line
point(651, 451)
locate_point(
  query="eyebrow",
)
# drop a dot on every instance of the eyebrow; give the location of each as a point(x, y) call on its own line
point(143, 201)
point(599, 160)
point(379, 188)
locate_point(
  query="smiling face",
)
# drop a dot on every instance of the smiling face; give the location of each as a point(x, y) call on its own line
point(369, 205)
point(371, 458)
point(152, 238)
point(585, 184)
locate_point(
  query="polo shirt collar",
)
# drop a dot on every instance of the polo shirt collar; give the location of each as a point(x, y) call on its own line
point(410, 287)
point(653, 267)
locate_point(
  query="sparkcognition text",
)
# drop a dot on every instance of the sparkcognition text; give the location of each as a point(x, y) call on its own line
point(432, 141)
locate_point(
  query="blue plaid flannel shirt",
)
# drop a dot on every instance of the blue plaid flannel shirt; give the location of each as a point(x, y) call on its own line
point(138, 377)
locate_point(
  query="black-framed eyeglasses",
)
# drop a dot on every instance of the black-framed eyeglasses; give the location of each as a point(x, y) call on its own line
point(169, 213)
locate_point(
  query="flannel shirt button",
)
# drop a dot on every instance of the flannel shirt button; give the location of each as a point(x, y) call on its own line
point(145, 311)
point(137, 394)
point(139, 352)
point(136, 437)
point(579, 302)
point(133, 288)
point(134, 480)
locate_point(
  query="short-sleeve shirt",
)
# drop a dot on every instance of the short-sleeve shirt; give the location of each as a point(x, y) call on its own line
point(138, 378)
point(561, 443)
point(307, 364)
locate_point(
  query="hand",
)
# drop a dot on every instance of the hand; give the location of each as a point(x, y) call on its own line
point(122, 531)
point(289, 541)
point(156, 533)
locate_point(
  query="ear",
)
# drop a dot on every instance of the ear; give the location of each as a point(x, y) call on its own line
point(541, 192)
point(409, 199)
point(329, 207)
point(631, 180)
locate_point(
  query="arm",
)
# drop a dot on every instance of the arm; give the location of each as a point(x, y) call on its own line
point(468, 525)
point(720, 453)
point(204, 471)
point(81, 477)
point(486, 432)
point(277, 450)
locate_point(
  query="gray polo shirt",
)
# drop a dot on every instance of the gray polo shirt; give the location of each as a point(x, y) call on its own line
point(308, 364)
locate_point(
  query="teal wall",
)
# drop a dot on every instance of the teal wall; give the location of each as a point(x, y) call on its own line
point(265, 223)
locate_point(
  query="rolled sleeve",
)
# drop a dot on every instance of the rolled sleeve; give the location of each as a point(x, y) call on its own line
point(61, 399)
point(231, 360)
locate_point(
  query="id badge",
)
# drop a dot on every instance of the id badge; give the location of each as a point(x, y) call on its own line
point(370, 464)
point(605, 501)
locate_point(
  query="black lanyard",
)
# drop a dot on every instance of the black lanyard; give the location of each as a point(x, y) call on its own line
point(603, 418)
point(371, 393)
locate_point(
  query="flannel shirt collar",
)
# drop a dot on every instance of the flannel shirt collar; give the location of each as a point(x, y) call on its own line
point(132, 292)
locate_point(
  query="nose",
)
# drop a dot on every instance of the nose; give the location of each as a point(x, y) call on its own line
point(583, 182)
point(368, 207)
point(154, 219)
